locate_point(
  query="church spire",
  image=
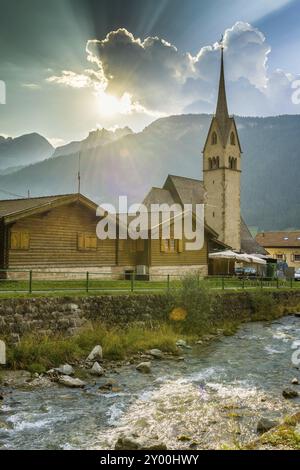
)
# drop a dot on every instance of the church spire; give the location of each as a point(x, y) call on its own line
point(222, 108)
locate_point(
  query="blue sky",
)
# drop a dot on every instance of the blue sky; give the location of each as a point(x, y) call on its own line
point(163, 61)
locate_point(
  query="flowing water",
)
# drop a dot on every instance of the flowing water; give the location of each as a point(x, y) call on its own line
point(213, 399)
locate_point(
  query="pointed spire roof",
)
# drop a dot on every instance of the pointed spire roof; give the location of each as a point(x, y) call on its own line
point(222, 115)
point(222, 108)
point(221, 118)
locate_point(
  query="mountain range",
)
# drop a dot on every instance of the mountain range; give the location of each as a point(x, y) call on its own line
point(127, 163)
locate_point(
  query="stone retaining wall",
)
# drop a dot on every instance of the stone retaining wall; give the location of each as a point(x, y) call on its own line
point(19, 316)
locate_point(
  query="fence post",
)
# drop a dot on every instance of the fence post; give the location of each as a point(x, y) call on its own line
point(277, 282)
point(223, 283)
point(87, 282)
point(261, 282)
point(30, 282)
point(243, 279)
point(291, 283)
point(132, 282)
point(168, 280)
point(198, 281)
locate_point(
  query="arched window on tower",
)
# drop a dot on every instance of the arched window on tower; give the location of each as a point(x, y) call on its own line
point(232, 138)
point(214, 139)
point(210, 164)
point(218, 162)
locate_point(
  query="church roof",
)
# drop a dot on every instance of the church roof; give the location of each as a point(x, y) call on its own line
point(181, 190)
point(248, 243)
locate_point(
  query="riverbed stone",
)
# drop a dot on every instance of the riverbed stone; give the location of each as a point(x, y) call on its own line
point(144, 367)
point(265, 424)
point(182, 344)
point(135, 443)
point(156, 353)
point(2, 352)
point(96, 354)
point(289, 393)
point(66, 369)
point(295, 381)
point(71, 382)
point(97, 370)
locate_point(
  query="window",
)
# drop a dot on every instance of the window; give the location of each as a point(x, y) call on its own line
point(232, 138)
point(281, 257)
point(297, 258)
point(210, 165)
point(215, 163)
point(232, 163)
point(19, 241)
point(214, 139)
point(87, 242)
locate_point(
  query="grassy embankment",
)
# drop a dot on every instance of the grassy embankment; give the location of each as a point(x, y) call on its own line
point(21, 288)
point(193, 311)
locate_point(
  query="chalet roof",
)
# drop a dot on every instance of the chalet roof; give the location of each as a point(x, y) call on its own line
point(13, 209)
point(279, 239)
point(248, 243)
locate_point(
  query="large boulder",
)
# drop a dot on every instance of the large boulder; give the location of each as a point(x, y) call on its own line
point(144, 367)
point(289, 393)
point(265, 424)
point(134, 443)
point(96, 354)
point(71, 382)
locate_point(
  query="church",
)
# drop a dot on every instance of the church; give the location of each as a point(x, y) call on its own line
point(220, 190)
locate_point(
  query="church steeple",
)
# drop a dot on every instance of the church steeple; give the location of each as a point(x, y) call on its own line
point(222, 171)
point(222, 108)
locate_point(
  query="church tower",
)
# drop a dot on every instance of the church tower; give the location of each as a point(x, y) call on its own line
point(222, 172)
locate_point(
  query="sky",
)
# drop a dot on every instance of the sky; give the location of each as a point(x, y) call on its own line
point(71, 66)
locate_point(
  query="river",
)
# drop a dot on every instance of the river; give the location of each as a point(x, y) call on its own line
point(212, 399)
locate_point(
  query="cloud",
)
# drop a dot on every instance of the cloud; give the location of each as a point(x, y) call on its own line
point(153, 77)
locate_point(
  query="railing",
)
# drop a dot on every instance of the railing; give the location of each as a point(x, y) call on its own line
point(38, 281)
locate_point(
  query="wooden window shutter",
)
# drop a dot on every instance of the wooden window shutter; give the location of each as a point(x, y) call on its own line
point(180, 246)
point(163, 245)
point(14, 240)
point(24, 239)
point(92, 242)
point(81, 241)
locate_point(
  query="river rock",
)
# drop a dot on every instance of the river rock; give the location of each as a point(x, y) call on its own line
point(66, 369)
point(71, 382)
point(97, 370)
point(96, 354)
point(156, 353)
point(133, 443)
point(295, 381)
point(289, 393)
point(182, 344)
point(2, 352)
point(144, 367)
point(297, 314)
point(265, 424)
